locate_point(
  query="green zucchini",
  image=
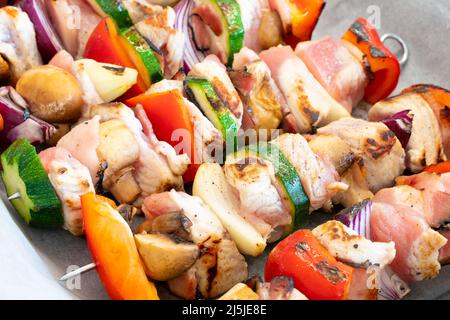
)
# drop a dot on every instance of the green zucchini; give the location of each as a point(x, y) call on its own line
point(289, 179)
point(23, 172)
point(229, 12)
point(115, 9)
point(201, 92)
point(143, 55)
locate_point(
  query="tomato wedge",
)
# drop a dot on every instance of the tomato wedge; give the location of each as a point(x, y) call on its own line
point(169, 116)
point(316, 273)
point(384, 71)
point(104, 46)
point(114, 251)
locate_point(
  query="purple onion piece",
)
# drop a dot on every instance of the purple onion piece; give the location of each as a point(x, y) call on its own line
point(401, 124)
point(18, 122)
point(47, 39)
point(392, 287)
point(191, 54)
point(357, 217)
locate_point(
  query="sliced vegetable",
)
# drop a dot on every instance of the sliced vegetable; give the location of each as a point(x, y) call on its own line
point(47, 39)
point(1, 122)
point(53, 94)
point(142, 55)
point(211, 185)
point(202, 93)
point(191, 54)
point(18, 123)
point(113, 8)
point(221, 18)
point(383, 69)
point(23, 172)
point(114, 251)
point(290, 181)
point(316, 273)
point(165, 256)
point(401, 124)
point(168, 114)
point(357, 217)
point(104, 46)
point(439, 168)
point(299, 18)
point(110, 81)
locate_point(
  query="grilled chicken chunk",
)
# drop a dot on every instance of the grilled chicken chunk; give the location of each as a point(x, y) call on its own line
point(260, 195)
point(263, 101)
point(318, 175)
point(308, 101)
point(349, 166)
point(214, 71)
point(220, 265)
point(18, 42)
point(336, 68)
point(155, 23)
point(70, 179)
point(376, 145)
point(158, 167)
point(346, 245)
point(425, 146)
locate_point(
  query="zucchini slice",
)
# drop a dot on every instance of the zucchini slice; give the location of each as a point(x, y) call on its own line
point(143, 55)
point(115, 9)
point(201, 92)
point(289, 179)
point(23, 172)
point(229, 13)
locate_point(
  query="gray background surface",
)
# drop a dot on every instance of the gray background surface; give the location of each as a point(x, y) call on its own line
point(32, 260)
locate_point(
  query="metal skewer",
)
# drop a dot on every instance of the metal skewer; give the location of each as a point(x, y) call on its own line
point(404, 58)
point(78, 271)
point(73, 273)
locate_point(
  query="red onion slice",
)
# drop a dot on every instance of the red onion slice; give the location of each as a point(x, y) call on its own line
point(48, 41)
point(401, 124)
point(191, 54)
point(18, 122)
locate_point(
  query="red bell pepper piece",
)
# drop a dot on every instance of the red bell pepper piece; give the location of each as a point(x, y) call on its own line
point(104, 46)
point(168, 113)
point(439, 168)
point(383, 66)
point(114, 251)
point(316, 273)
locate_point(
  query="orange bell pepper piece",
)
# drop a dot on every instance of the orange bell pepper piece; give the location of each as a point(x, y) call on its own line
point(104, 46)
point(114, 251)
point(168, 113)
point(1, 122)
point(384, 68)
